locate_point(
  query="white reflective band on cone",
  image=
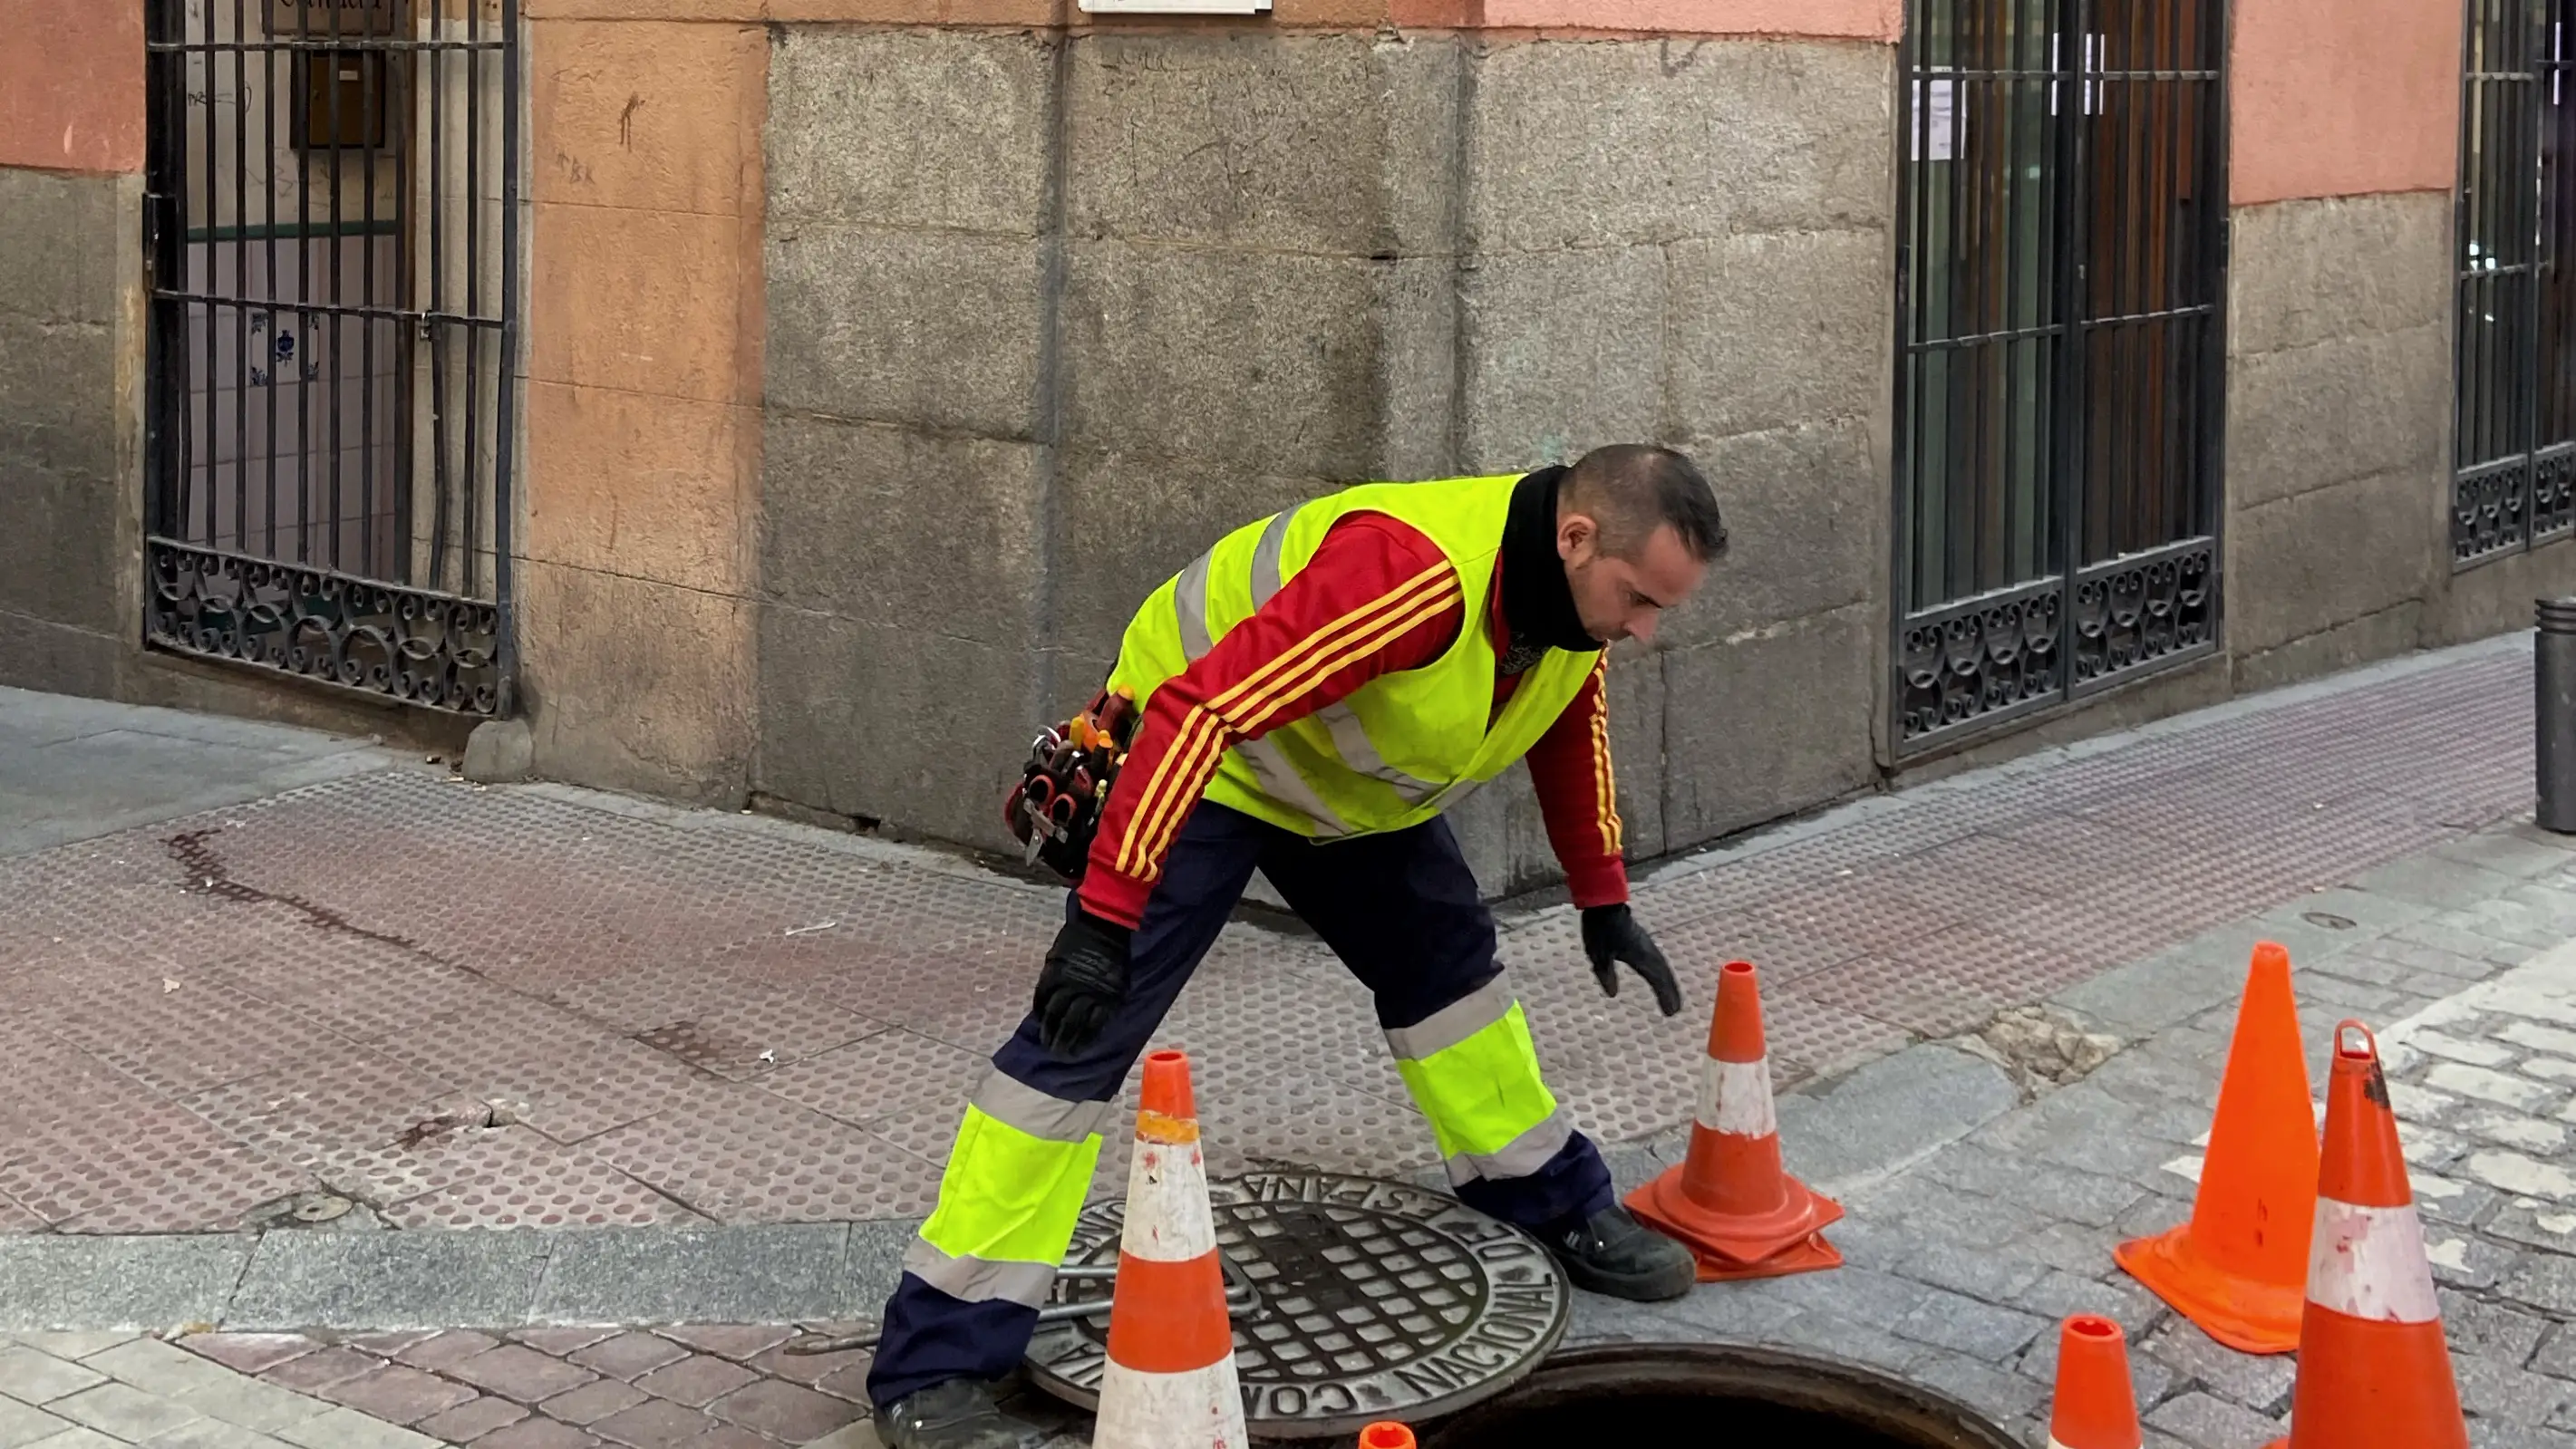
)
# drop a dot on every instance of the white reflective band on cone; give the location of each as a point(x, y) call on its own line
point(1167, 1205)
point(2368, 1263)
point(1735, 1098)
point(1200, 1409)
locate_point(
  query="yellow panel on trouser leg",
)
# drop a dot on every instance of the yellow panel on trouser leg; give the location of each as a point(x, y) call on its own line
point(1483, 1092)
point(1007, 1205)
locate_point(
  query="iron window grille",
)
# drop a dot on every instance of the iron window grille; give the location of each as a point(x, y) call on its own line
point(2513, 483)
point(2061, 253)
point(331, 228)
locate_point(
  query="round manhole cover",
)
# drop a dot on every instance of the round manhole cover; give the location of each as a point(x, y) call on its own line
point(1356, 1300)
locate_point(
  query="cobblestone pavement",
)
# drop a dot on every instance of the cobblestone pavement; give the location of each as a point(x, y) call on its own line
point(457, 1006)
point(1978, 1220)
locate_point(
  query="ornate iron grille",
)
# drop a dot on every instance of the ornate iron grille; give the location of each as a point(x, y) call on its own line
point(2061, 251)
point(2514, 479)
point(332, 234)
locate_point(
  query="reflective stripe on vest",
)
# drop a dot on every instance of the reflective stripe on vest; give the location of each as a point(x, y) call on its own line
point(1350, 738)
point(1014, 1184)
point(1474, 1073)
point(1279, 779)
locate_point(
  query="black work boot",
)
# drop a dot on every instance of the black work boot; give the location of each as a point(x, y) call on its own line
point(1612, 1253)
point(958, 1414)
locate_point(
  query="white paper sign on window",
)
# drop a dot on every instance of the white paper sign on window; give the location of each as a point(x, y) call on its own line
point(1936, 120)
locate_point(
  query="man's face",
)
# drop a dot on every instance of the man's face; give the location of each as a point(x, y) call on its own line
point(1621, 598)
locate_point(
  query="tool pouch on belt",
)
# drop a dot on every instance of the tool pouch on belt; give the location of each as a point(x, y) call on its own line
point(1055, 807)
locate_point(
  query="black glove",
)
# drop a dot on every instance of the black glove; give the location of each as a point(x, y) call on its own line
point(1084, 982)
point(1611, 934)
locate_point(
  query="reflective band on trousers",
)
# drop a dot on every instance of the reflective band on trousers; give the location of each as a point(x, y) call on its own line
point(1735, 1098)
point(1472, 1070)
point(1015, 1182)
point(1279, 779)
point(2368, 1263)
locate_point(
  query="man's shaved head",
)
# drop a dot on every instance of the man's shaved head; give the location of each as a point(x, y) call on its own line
point(1636, 527)
point(1631, 489)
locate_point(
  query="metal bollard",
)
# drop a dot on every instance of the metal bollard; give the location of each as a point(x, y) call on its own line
point(2554, 735)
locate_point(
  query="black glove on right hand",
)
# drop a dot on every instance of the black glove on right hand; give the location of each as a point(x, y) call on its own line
point(1612, 934)
point(1084, 982)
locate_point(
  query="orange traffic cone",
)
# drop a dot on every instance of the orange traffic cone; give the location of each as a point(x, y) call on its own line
point(1730, 1201)
point(2239, 1267)
point(2374, 1370)
point(2096, 1407)
point(1170, 1381)
point(1388, 1435)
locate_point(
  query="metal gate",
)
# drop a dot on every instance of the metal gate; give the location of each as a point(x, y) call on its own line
point(332, 236)
point(2061, 252)
point(2514, 479)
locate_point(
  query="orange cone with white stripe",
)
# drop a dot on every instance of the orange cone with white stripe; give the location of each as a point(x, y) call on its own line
point(1386, 1434)
point(1730, 1201)
point(2374, 1370)
point(2096, 1405)
point(1170, 1381)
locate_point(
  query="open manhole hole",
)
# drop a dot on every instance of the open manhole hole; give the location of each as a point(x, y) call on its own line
point(1711, 1393)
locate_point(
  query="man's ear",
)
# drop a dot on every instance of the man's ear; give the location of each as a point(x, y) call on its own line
point(1573, 531)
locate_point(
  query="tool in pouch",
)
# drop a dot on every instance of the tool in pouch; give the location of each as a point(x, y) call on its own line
point(1055, 808)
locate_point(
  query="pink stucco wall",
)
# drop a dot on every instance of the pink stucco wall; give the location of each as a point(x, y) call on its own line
point(2343, 97)
point(71, 84)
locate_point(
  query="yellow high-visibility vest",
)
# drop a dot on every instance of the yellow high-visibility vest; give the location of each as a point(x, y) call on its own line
point(1402, 747)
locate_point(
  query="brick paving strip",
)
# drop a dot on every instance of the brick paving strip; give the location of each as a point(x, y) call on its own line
point(705, 1387)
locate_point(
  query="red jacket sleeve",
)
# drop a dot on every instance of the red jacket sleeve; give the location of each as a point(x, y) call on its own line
point(1377, 597)
point(1579, 797)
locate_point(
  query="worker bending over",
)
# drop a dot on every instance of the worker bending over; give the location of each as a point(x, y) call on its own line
point(1314, 691)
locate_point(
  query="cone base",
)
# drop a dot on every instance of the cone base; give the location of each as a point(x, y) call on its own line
point(2245, 1315)
point(1731, 1238)
point(1811, 1255)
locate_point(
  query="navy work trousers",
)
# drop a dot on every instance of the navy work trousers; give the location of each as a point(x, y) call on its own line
point(1401, 910)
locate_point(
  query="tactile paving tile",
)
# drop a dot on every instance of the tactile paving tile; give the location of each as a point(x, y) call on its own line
point(445, 1149)
point(754, 1033)
point(1277, 1113)
point(2003, 969)
point(561, 1075)
point(889, 1074)
point(1780, 950)
point(1821, 1038)
point(1902, 995)
point(200, 1035)
point(345, 1097)
point(567, 1190)
point(972, 1000)
point(161, 1170)
point(1874, 910)
point(745, 1156)
point(358, 988)
point(127, 894)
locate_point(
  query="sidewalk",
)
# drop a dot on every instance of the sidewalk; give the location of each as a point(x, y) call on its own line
point(456, 1006)
point(393, 1001)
